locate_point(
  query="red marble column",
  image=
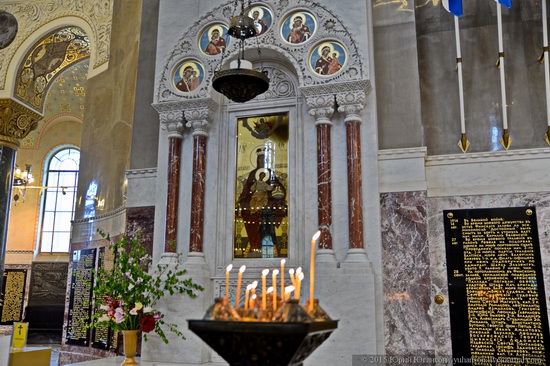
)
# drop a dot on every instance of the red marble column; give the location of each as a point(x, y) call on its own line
point(324, 185)
point(197, 194)
point(355, 206)
point(197, 120)
point(172, 197)
point(351, 104)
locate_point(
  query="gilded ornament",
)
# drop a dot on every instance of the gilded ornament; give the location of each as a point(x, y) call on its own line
point(439, 299)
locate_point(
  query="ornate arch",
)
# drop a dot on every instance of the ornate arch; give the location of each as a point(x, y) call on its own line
point(330, 28)
point(36, 19)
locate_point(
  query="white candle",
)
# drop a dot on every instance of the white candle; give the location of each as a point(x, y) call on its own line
point(248, 287)
point(270, 291)
point(312, 269)
point(274, 280)
point(227, 270)
point(283, 277)
point(291, 275)
point(288, 290)
point(252, 299)
point(239, 280)
point(264, 290)
point(299, 279)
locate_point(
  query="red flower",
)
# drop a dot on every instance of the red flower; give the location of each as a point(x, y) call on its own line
point(147, 323)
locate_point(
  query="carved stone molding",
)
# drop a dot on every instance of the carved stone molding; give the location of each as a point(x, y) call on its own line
point(197, 119)
point(173, 123)
point(32, 15)
point(297, 55)
point(322, 108)
point(16, 121)
point(351, 104)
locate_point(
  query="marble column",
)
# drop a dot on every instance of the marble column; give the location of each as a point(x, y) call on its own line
point(197, 120)
point(172, 122)
point(16, 121)
point(351, 104)
point(322, 108)
point(177, 307)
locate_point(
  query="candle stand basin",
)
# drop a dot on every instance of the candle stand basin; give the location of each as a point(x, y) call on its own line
point(263, 343)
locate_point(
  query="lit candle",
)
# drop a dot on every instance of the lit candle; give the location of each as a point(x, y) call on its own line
point(312, 269)
point(288, 290)
point(239, 280)
point(299, 279)
point(252, 299)
point(248, 287)
point(291, 274)
point(228, 269)
point(274, 280)
point(283, 278)
point(264, 290)
point(253, 288)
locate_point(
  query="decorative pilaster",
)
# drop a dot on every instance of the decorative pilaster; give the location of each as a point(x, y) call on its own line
point(16, 121)
point(197, 119)
point(322, 108)
point(351, 104)
point(172, 122)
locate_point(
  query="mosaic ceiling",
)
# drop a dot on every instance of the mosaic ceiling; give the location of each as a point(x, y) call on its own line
point(47, 59)
point(64, 98)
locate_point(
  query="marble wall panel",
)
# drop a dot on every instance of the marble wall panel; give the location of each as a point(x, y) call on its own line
point(524, 77)
point(406, 270)
point(436, 237)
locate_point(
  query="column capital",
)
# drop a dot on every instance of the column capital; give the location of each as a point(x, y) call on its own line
point(197, 119)
point(351, 103)
point(172, 122)
point(16, 121)
point(321, 107)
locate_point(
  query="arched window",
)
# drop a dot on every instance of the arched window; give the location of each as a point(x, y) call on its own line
point(59, 200)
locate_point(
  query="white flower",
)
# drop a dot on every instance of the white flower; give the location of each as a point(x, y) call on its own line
point(130, 286)
point(148, 309)
point(104, 318)
point(104, 307)
point(134, 311)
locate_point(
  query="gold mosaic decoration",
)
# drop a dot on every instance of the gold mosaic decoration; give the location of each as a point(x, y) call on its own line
point(16, 121)
point(47, 59)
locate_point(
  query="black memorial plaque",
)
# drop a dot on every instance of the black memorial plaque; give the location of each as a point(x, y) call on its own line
point(496, 288)
point(102, 336)
point(12, 296)
point(80, 303)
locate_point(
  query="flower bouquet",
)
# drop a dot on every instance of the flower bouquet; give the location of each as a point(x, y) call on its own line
point(125, 295)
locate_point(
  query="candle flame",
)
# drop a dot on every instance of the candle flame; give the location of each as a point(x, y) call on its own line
point(298, 270)
point(289, 288)
point(253, 297)
point(243, 267)
point(275, 272)
point(301, 276)
point(249, 287)
point(229, 268)
point(283, 261)
point(265, 272)
point(317, 235)
point(254, 284)
point(269, 290)
point(291, 271)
